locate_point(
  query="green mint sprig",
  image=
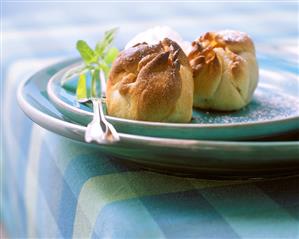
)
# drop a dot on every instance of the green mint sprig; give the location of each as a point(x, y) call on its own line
point(102, 56)
point(95, 60)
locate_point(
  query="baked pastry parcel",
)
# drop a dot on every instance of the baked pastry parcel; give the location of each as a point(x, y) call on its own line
point(151, 83)
point(225, 70)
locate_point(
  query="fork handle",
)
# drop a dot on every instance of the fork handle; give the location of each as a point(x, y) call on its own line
point(96, 110)
point(94, 130)
point(110, 132)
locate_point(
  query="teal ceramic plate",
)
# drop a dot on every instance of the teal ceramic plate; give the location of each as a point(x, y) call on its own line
point(273, 110)
point(195, 157)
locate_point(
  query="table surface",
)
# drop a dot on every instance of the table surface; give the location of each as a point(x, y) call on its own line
point(53, 187)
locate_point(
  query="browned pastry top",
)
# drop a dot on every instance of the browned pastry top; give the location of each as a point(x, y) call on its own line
point(148, 76)
point(233, 44)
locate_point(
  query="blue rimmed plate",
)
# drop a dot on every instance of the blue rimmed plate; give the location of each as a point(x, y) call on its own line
point(274, 110)
point(195, 157)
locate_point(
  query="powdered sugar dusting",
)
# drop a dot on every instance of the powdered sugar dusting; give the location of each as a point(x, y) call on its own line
point(158, 33)
point(266, 105)
point(231, 35)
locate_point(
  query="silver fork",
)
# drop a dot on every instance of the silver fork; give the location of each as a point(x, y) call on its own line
point(99, 129)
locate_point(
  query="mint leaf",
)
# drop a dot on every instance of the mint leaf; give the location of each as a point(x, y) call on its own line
point(81, 91)
point(95, 61)
point(87, 54)
point(111, 55)
point(109, 35)
point(106, 42)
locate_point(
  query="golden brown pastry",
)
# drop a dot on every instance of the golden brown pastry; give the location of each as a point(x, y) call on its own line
point(151, 83)
point(225, 70)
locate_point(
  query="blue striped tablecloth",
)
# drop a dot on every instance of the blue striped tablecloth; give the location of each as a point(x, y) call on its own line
point(53, 187)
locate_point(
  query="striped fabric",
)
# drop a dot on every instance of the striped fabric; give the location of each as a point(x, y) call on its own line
point(53, 187)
